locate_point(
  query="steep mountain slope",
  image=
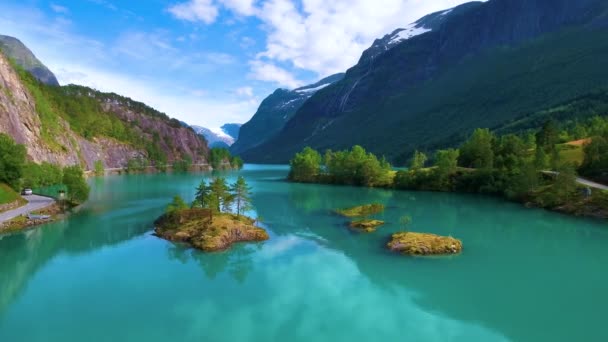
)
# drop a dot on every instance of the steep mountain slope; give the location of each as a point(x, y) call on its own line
point(220, 137)
point(78, 125)
point(477, 65)
point(232, 129)
point(274, 112)
point(16, 50)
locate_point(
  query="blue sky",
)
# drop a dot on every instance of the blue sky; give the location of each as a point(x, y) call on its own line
point(206, 62)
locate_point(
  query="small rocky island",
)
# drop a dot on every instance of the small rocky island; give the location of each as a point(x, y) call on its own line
point(363, 224)
point(214, 220)
point(366, 226)
point(202, 229)
point(410, 243)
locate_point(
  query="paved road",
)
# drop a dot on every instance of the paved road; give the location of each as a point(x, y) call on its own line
point(591, 184)
point(582, 181)
point(35, 202)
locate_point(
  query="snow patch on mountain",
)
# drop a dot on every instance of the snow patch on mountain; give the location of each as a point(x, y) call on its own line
point(410, 31)
point(216, 136)
point(312, 90)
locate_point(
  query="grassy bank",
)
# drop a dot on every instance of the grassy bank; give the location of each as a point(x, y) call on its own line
point(7, 194)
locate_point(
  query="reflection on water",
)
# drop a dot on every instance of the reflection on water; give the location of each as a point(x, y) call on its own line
point(522, 270)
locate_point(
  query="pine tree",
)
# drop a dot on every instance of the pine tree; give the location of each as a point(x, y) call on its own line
point(201, 198)
point(241, 192)
point(218, 198)
point(177, 205)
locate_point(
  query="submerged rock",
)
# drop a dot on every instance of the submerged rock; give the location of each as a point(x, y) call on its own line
point(202, 230)
point(366, 226)
point(410, 243)
point(362, 210)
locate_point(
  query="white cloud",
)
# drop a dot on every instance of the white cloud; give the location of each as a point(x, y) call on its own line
point(264, 71)
point(194, 106)
point(195, 10)
point(240, 7)
point(81, 60)
point(247, 42)
point(245, 91)
point(329, 36)
point(59, 9)
point(321, 36)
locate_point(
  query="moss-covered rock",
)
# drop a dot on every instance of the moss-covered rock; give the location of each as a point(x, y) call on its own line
point(366, 226)
point(362, 210)
point(202, 230)
point(410, 243)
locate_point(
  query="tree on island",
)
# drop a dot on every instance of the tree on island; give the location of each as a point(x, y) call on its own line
point(242, 195)
point(219, 198)
point(177, 205)
point(201, 198)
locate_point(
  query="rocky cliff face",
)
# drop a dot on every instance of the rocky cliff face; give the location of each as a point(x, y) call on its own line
point(427, 85)
point(20, 120)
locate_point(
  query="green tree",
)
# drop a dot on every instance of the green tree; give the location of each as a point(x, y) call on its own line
point(176, 205)
point(99, 169)
point(565, 184)
point(305, 166)
point(541, 160)
point(242, 195)
point(12, 161)
point(477, 152)
point(73, 179)
point(237, 163)
point(201, 198)
point(522, 181)
point(446, 161)
point(418, 161)
point(595, 162)
point(219, 197)
point(548, 136)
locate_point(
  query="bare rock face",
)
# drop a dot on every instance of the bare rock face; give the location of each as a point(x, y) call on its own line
point(20, 120)
point(182, 140)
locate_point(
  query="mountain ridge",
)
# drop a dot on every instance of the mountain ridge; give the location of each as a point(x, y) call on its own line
point(274, 111)
point(24, 57)
point(378, 103)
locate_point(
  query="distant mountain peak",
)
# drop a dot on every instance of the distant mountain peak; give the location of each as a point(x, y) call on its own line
point(223, 136)
point(276, 110)
point(14, 49)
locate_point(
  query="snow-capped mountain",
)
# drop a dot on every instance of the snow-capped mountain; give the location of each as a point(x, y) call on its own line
point(423, 25)
point(274, 112)
point(425, 85)
point(223, 136)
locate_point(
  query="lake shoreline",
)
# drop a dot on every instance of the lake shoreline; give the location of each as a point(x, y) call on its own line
point(572, 210)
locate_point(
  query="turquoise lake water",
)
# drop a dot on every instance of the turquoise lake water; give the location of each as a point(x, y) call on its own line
point(524, 275)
